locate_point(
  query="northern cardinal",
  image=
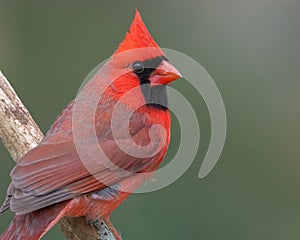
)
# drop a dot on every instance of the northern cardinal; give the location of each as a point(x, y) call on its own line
point(65, 175)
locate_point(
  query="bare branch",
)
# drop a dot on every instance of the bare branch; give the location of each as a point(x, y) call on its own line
point(18, 131)
point(19, 134)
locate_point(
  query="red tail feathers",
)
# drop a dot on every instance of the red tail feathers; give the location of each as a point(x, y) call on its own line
point(32, 226)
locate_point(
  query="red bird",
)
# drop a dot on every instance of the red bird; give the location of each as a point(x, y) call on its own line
point(65, 175)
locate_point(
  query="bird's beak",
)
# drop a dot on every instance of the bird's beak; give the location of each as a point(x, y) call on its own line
point(164, 74)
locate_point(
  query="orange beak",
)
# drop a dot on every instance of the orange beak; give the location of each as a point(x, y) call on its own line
point(164, 74)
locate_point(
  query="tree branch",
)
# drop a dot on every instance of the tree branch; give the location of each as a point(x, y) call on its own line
point(19, 134)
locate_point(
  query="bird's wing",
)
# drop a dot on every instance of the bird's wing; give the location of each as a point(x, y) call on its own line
point(53, 173)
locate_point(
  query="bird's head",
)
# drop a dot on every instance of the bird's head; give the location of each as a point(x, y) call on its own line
point(140, 62)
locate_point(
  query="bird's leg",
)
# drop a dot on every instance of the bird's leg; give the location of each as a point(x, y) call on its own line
point(106, 231)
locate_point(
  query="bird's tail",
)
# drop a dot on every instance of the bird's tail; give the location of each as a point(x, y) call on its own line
point(32, 226)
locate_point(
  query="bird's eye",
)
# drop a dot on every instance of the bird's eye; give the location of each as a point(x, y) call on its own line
point(138, 67)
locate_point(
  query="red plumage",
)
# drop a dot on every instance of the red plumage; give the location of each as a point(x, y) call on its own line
point(53, 180)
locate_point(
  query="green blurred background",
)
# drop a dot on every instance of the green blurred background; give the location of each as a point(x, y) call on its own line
point(250, 48)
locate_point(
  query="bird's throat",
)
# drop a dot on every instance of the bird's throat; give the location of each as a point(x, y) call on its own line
point(155, 96)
